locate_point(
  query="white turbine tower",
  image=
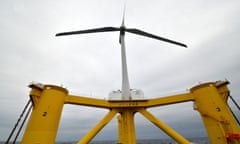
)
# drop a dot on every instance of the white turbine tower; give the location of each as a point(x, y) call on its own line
point(125, 81)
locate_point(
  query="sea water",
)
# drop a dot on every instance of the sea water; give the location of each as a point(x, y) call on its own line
point(203, 140)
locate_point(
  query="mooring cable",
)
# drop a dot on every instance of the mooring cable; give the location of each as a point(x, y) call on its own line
point(19, 119)
point(23, 122)
point(236, 104)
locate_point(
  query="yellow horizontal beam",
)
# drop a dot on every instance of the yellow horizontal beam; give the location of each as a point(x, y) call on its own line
point(144, 103)
point(179, 98)
point(85, 101)
point(128, 103)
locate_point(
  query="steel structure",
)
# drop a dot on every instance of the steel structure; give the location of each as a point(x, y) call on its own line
point(210, 100)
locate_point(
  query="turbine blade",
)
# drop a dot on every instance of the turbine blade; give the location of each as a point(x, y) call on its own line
point(96, 30)
point(123, 18)
point(142, 33)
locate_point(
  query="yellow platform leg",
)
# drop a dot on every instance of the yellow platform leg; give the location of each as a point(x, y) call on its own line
point(120, 130)
point(211, 102)
point(48, 102)
point(126, 131)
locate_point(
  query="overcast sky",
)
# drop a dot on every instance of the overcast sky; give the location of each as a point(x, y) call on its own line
point(90, 64)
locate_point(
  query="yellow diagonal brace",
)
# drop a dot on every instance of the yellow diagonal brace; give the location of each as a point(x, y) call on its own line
point(92, 133)
point(168, 130)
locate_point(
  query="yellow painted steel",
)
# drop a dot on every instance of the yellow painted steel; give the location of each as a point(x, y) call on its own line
point(168, 130)
point(47, 107)
point(85, 101)
point(210, 100)
point(128, 135)
point(167, 100)
point(120, 130)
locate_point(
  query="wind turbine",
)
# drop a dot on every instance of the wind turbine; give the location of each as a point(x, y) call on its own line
point(126, 93)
